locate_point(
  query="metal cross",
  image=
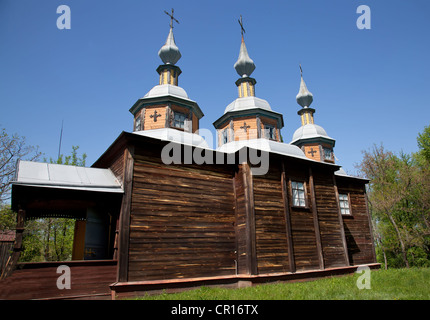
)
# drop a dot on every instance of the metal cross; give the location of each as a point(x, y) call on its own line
point(171, 18)
point(245, 127)
point(241, 25)
point(312, 152)
point(301, 71)
point(155, 115)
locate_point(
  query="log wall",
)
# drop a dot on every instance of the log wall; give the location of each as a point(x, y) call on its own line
point(270, 224)
point(196, 221)
point(357, 226)
point(117, 166)
point(330, 224)
point(182, 222)
point(302, 222)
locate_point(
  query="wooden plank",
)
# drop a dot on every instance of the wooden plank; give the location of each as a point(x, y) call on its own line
point(240, 225)
point(251, 262)
point(168, 115)
point(124, 219)
point(259, 135)
point(287, 212)
point(342, 230)
point(315, 219)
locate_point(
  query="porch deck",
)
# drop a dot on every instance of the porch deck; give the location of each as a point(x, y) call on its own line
point(90, 279)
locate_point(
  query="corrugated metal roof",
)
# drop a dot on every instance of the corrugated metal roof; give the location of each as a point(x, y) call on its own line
point(66, 177)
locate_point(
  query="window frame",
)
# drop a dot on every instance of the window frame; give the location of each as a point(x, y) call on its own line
point(346, 200)
point(225, 135)
point(175, 121)
point(330, 150)
point(305, 194)
point(266, 131)
point(138, 123)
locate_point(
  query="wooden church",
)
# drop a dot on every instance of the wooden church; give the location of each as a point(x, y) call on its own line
point(160, 209)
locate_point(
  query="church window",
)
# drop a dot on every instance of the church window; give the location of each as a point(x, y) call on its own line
point(137, 123)
point(179, 120)
point(225, 136)
point(328, 154)
point(344, 204)
point(299, 194)
point(270, 132)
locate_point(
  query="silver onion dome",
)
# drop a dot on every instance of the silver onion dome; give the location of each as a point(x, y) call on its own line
point(169, 53)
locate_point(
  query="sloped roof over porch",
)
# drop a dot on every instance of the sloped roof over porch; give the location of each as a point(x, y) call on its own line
point(45, 189)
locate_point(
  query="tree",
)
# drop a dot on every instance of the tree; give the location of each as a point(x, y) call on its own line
point(7, 218)
point(424, 143)
point(72, 159)
point(12, 148)
point(386, 190)
point(399, 201)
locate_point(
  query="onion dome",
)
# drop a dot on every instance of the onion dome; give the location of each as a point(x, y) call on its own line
point(244, 65)
point(310, 137)
point(304, 98)
point(248, 117)
point(169, 53)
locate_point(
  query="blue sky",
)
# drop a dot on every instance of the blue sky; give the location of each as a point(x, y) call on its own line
point(369, 86)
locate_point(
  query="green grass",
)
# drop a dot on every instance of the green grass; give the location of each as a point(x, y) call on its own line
point(393, 284)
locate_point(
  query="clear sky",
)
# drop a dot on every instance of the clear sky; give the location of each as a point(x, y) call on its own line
point(369, 86)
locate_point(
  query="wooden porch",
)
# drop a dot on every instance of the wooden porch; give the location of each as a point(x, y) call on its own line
point(90, 279)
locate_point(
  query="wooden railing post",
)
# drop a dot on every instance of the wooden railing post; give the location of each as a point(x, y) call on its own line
point(13, 259)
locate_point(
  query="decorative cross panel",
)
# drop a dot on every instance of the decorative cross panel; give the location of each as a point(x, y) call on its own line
point(312, 152)
point(155, 115)
point(245, 127)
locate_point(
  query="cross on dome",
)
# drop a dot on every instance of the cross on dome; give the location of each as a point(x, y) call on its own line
point(171, 18)
point(169, 52)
